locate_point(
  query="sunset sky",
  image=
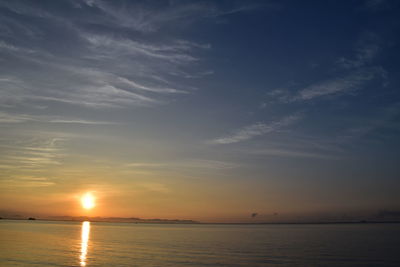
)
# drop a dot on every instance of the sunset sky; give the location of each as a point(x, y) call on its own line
point(204, 110)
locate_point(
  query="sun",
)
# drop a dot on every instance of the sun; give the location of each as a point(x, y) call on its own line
point(88, 201)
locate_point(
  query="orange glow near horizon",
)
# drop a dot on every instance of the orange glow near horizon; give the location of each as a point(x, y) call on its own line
point(88, 201)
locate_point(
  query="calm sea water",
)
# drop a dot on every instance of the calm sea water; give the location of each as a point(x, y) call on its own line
point(41, 243)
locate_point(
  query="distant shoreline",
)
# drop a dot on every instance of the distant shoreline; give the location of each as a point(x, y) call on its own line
point(206, 223)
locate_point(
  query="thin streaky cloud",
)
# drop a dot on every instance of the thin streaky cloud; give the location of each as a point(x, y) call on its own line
point(147, 88)
point(291, 153)
point(13, 118)
point(110, 46)
point(31, 152)
point(255, 130)
point(102, 68)
point(67, 121)
point(21, 183)
point(359, 71)
point(152, 19)
point(155, 187)
point(183, 164)
point(145, 165)
point(366, 50)
point(384, 118)
point(337, 86)
point(364, 55)
point(21, 118)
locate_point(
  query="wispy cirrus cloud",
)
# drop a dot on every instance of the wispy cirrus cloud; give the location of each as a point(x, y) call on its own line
point(363, 56)
point(25, 182)
point(359, 70)
point(183, 164)
point(31, 153)
point(101, 54)
point(81, 83)
point(350, 75)
point(20, 118)
point(121, 62)
point(350, 83)
point(290, 154)
point(383, 118)
point(155, 187)
point(255, 130)
point(176, 52)
point(337, 86)
point(365, 51)
point(157, 16)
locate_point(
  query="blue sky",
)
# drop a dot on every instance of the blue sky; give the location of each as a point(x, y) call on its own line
point(267, 106)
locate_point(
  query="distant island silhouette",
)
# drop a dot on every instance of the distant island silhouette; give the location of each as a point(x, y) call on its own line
point(99, 219)
point(382, 216)
point(119, 219)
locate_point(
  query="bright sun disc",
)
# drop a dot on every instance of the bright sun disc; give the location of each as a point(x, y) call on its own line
point(87, 201)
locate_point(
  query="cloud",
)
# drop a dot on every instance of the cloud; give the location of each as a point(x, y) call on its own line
point(280, 152)
point(364, 55)
point(208, 164)
point(255, 130)
point(359, 70)
point(155, 187)
point(183, 164)
point(21, 118)
point(336, 86)
point(32, 181)
point(175, 52)
point(366, 50)
point(147, 88)
point(13, 118)
point(153, 17)
point(120, 62)
point(60, 61)
point(383, 118)
point(77, 85)
point(353, 74)
point(31, 153)
point(25, 183)
point(78, 121)
point(145, 165)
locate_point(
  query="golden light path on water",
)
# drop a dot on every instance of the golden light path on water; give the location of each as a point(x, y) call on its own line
point(84, 242)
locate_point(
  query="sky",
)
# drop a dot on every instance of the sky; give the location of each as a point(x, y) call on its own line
point(204, 110)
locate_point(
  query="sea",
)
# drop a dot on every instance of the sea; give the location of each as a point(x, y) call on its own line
point(49, 243)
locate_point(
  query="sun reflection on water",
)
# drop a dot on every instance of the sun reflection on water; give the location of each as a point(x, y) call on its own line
point(84, 242)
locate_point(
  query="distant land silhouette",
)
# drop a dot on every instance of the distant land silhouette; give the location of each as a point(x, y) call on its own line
point(118, 219)
point(377, 217)
point(95, 219)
